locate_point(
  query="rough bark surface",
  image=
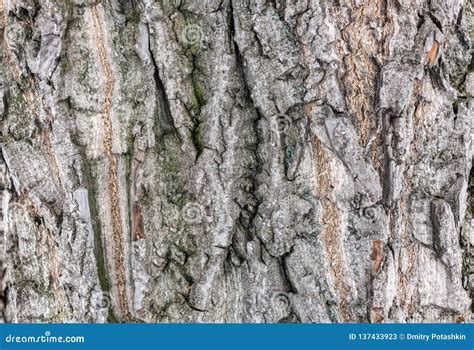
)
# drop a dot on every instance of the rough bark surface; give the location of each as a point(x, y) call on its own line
point(236, 161)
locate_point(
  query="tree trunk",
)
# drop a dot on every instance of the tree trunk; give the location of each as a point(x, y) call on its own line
point(236, 161)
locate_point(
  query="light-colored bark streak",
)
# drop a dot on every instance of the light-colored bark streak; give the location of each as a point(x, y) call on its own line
point(117, 228)
point(6, 47)
point(52, 156)
point(361, 69)
point(55, 273)
point(2, 13)
point(332, 232)
point(406, 287)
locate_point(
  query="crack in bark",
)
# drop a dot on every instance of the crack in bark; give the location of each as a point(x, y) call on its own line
point(252, 208)
point(160, 87)
point(113, 187)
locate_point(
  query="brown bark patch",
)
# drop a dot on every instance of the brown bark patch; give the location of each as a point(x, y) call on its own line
point(332, 232)
point(433, 53)
point(138, 230)
point(377, 255)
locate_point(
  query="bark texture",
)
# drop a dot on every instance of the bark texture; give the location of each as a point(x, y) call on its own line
point(236, 161)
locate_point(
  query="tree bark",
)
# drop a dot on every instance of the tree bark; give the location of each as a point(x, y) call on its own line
point(236, 161)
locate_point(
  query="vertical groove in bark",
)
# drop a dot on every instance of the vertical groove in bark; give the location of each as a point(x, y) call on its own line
point(115, 203)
